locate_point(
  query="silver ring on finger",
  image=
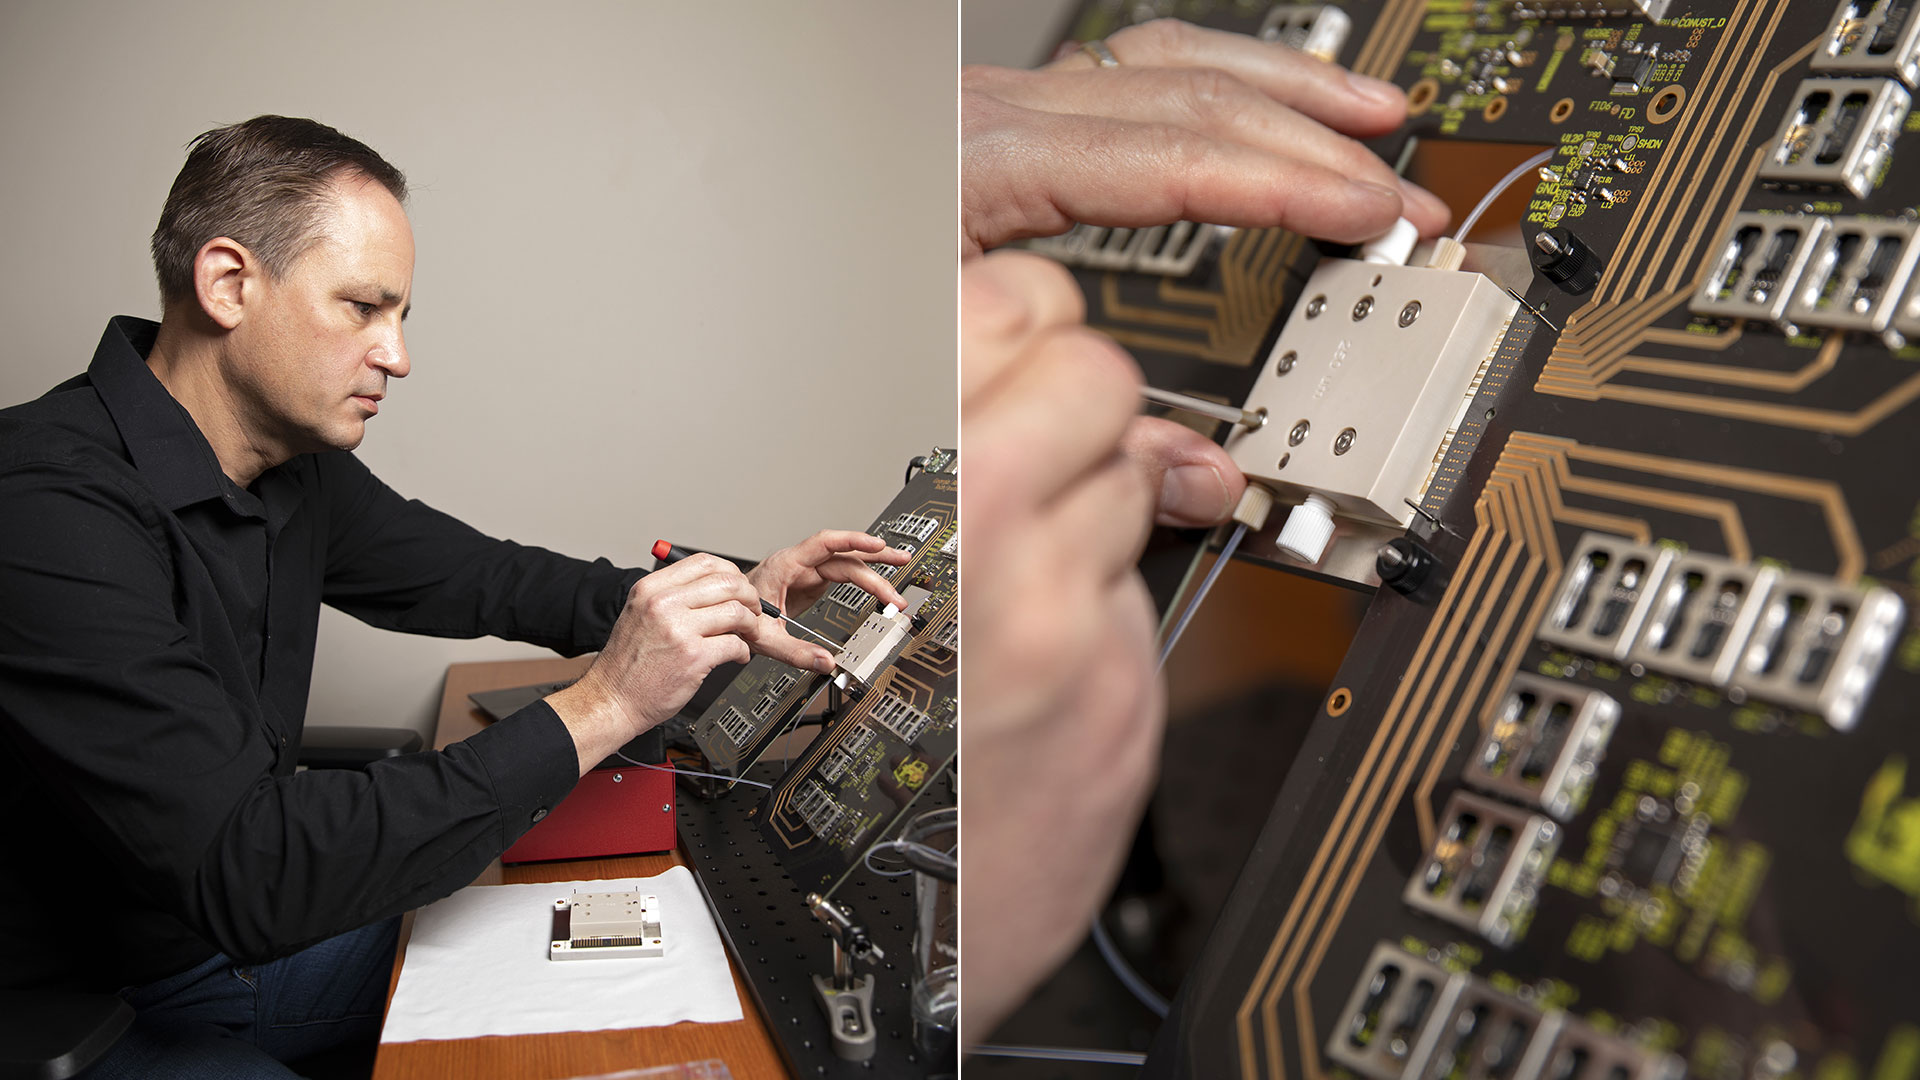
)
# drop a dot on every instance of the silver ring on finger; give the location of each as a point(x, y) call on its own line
point(1097, 49)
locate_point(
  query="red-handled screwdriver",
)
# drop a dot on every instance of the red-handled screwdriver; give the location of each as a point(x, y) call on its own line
point(669, 553)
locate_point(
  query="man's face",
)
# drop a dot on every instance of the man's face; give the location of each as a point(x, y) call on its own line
point(312, 356)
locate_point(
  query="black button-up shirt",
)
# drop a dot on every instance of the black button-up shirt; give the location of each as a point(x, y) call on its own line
point(157, 629)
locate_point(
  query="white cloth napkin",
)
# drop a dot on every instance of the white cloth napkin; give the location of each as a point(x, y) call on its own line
point(477, 965)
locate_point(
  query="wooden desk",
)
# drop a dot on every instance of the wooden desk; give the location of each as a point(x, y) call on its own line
point(746, 1046)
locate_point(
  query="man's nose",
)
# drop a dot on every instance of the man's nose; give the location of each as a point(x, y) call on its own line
point(391, 356)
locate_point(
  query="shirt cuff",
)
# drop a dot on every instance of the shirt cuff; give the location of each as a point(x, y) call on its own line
point(532, 762)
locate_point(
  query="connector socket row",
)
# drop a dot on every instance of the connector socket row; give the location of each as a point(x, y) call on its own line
point(1786, 637)
point(1408, 1018)
point(1544, 741)
point(1839, 133)
point(1873, 37)
point(1174, 250)
point(1485, 869)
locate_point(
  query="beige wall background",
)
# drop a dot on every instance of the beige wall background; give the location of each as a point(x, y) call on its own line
point(683, 271)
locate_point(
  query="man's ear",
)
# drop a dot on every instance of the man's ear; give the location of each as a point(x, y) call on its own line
point(221, 273)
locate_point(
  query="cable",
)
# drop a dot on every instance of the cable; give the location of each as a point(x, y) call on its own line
point(1206, 583)
point(1110, 952)
point(915, 464)
point(1541, 158)
point(690, 772)
point(914, 853)
point(917, 857)
point(1061, 1053)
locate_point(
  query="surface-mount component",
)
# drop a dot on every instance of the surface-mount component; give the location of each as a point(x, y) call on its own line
point(1651, 10)
point(1316, 29)
point(1762, 257)
point(1839, 133)
point(1605, 593)
point(1701, 618)
point(1873, 37)
point(1394, 1016)
point(600, 925)
point(1855, 277)
point(1819, 646)
point(1544, 740)
point(1370, 375)
point(1485, 868)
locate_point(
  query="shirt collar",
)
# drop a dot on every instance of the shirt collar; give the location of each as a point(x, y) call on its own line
point(166, 446)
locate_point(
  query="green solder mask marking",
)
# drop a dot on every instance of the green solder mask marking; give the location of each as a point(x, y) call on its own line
point(1699, 903)
point(1885, 840)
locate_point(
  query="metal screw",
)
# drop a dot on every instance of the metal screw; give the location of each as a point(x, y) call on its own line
point(1299, 433)
point(1343, 442)
point(666, 808)
point(1285, 363)
point(616, 778)
point(1362, 309)
point(1315, 306)
point(1409, 313)
point(1391, 556)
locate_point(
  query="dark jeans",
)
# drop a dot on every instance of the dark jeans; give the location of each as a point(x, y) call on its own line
point(226, 1021)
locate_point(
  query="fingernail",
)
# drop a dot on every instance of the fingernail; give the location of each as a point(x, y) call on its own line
point(1194, 492)
point(1379, 190)
point(1378, 91)
point(823, 665)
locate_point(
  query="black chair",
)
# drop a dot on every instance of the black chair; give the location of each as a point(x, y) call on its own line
point(51, 1035)
point(323, 747)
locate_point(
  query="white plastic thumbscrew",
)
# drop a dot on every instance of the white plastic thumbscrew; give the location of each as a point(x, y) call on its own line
point(1394, 246)
point(1308, 530)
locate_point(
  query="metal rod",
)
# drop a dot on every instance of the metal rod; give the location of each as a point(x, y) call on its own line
point(1247, 418)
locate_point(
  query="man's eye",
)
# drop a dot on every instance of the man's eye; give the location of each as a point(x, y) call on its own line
point(365, 309)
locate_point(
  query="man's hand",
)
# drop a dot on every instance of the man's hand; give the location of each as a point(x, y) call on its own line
point(1195, 124)
point(679, 623)
point(794, 578)
point(1060, 662)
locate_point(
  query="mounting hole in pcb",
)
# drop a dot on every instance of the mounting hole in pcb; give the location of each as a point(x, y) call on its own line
point(1666, 104)
point(1420, 98)
point(1339, 701)
point(1561, 110)
point(1495, 109)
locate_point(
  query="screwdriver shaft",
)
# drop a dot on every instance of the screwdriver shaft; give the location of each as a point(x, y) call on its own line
point(1244, 417)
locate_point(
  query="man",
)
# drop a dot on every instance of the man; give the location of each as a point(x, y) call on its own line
point(174, 518)
point(1064, 476)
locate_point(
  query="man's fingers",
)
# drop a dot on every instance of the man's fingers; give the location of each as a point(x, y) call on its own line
point(1101, 525)
point(1338, 98)
point(1041, 172)
point(1008, 299)
point(709, 587)
point(718, 620)
point(1050, 419)
point(831, 542)
point(1207, 101)
point(849, 569)
point(1194, 482)
point(775, 642)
